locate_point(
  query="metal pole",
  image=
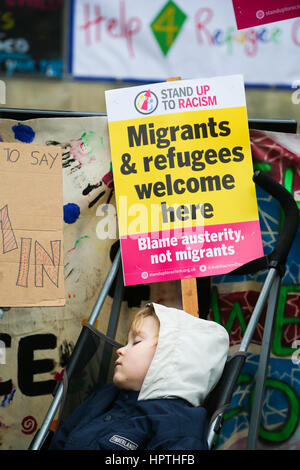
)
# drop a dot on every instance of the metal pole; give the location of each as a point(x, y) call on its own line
point(262, 299)
point(211, 433)
point(40, 435)
point(258, 309)
point(112, 326)
point(105, 288)
point(116, 305)
point(263, 366)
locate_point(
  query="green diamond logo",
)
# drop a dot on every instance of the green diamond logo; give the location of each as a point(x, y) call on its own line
point(167, 25)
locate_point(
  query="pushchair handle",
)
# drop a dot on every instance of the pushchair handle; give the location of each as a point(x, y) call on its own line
point(291, 216)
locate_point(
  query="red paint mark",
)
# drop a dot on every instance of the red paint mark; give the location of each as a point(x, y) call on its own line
point(24, 263)
point(46, 263)
point(58, 376)
point(9, 240)
point(29, 425)
point(116, 28)
point(3, 426)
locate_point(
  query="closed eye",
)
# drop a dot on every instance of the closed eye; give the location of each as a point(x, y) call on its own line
point(137, 340)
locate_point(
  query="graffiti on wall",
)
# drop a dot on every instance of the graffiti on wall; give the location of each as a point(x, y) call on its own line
point(279, 155)
point(31, 38)
point(38, 341)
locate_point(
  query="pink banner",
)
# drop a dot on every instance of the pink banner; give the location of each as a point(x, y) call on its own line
point(189, 252)
point(258, 12)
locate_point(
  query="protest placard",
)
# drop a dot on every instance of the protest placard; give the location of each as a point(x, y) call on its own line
point(183, 176)
point(31, 223)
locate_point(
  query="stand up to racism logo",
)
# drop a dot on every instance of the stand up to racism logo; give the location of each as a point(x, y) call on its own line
point(146, 102)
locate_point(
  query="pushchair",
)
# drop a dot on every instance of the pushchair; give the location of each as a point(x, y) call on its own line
point(94, 354)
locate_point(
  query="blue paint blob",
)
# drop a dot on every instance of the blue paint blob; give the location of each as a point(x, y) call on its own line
point(24, 133)
point(71, 213)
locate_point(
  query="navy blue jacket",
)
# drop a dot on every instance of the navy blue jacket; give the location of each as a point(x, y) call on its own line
point(113, 419)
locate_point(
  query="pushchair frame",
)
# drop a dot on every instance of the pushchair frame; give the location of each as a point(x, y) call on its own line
point(275, 262)
point(220, 397)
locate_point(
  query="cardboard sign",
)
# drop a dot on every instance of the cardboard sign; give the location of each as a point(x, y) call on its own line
point(183, 178)
point(258, 12)
point(31, 217)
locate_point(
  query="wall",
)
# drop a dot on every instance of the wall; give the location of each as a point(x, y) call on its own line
point(89, 96)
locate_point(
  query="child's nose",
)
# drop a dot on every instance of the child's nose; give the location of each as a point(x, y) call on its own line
point(121, 351)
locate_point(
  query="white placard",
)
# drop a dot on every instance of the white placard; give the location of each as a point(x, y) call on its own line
point(150, 41)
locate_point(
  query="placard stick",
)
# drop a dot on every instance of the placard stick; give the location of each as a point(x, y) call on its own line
point(189, 296)
point(188, 286)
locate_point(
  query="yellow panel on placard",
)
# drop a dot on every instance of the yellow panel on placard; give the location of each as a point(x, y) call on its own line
point(161, 161)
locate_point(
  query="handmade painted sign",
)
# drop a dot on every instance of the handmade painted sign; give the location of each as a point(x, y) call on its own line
point(258, 12)
point(183, 177)
point(31, 225)
point(149, 41)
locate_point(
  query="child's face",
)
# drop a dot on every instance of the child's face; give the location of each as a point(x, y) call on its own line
point(135, 358)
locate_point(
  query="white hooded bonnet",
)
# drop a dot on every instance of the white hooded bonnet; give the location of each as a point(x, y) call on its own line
point(189, 357)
